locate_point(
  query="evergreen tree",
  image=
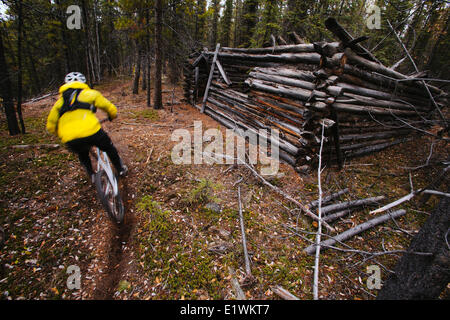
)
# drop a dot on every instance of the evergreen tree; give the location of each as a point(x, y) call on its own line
point(227, 24)
point(249, 21)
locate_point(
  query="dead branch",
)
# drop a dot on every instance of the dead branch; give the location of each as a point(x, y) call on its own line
point(319, 228)
point(329, 198)
point(356, 230)
point(248, 270)
point(39, 146)
point(417, 70)
point(283, 293)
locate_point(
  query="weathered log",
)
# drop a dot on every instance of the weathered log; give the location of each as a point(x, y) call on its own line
point(328, 199)
point(307, 57)
point(286, 146)
point(352, 98)
point(288, 110)
point(295, 38)
point(347, 39)
point(328, 48)
point(296, 93)
point(223, 73)
point(361, 109)
point(412, 98)
point(294, 73)
point(355, 230)
point(338, 60)
point(297, 48)
point(373, 148)
point(373, 135)
point(350, 204)
point(381, 69)
point(333, 216)
point(281, 40)
point(38, 146)
point(253, 110)
point(283, 293)
point(205, 95)
point(283, 80)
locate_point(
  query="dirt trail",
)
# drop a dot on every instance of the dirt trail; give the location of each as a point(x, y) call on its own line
point(118, 235)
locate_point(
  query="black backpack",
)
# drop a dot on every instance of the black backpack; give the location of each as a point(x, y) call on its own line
point(70, 97)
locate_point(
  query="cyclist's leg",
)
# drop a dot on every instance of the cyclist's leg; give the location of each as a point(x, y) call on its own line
point(81, 147)
point(102, 140)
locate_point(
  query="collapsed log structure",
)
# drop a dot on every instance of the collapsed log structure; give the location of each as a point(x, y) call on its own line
point(294, 88)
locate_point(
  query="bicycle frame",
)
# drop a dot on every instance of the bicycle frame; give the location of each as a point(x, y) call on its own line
point(106, 166)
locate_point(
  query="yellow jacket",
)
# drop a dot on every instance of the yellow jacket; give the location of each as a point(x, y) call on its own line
point(78, 123)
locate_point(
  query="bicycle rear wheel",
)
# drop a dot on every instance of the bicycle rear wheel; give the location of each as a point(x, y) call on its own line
point(113, 204)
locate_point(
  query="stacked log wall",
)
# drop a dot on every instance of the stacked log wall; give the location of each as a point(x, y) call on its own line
point(296, 88)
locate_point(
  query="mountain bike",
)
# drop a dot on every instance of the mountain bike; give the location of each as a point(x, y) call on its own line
point(107, 186)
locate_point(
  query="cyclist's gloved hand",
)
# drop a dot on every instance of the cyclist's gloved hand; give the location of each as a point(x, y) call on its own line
point(110, 119)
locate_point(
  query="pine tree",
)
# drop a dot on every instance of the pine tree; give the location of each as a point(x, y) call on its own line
point(215, 5)
point(249, 21)
point(226, 23)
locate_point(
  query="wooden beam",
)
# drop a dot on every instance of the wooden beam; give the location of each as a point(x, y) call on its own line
point(211, 72)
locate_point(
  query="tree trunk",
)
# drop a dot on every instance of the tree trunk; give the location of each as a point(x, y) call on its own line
point(149, 61)
point(418, 276)
point(32, 67)
point(19, 73)
point(158, 57)
point(89, 70)
point(137, 70)
point(5, 93)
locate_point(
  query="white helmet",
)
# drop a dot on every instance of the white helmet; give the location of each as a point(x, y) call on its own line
point(75, 76)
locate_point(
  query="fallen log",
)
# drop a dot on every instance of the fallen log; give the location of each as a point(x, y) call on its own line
point(373, 136)
point(283, 293)
point(355, 230)
point(328, 199)
point(333, 216)
point(347, 39)
point(248, 272)
point(372, 149)
point(39, 146)
point(351, 204)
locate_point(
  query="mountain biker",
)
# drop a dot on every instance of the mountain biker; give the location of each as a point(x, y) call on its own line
point(72, 118)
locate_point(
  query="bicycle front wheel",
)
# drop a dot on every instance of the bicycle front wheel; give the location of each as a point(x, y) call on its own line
point(112, 203)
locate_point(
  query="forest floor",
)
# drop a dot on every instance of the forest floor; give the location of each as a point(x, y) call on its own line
point(181, 238)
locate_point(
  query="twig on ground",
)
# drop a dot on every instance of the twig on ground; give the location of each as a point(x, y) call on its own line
point(283, 293)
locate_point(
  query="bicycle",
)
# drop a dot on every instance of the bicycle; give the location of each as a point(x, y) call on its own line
point(107, 186)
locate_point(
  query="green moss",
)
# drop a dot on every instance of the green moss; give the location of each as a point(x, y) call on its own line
point(203, 192)
point(149, 114)
point(158, 219)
